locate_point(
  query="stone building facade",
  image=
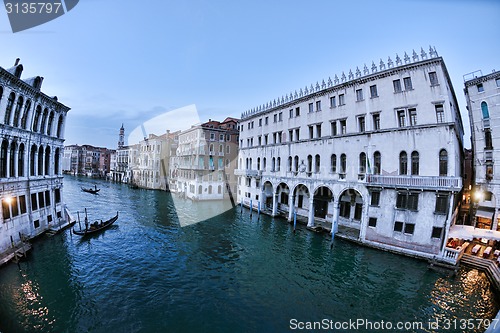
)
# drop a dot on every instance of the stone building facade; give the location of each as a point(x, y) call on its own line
point(376, 154)
point(31, 139)
point(482, 93)
point(206, 159)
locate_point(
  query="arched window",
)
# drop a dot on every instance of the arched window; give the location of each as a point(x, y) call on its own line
point(44, 120)
point(278, 164)
point(59, 126)
point(20, 161)
point(247, 163)
point(264, 164)
point(296, 164)
point(3, 158)
point(32, 160)
point(209, 189)
point(200, 189)
point(17, 112)
point(40, 161)
point(343, 163)
point(47, 160)
point(258, 163)
point(377, 163)
point(49, 125)
point(290, 163)
point(403, 163)
point(219, 189)
point(309, 163)
point(24, 119)
point(443, 162)
point(317, 163)
point(12, 159)
point(8, 109)
point(484, 109)
point(36, 119)
point(362, 163)
point(56, 162)
point(415, 163)
point(273, 165)
point(221, 148)
point(333, 163)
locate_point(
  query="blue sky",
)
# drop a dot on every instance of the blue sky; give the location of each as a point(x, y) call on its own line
point(125, 61)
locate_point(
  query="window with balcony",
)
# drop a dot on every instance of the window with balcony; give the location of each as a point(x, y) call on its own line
point(403, 163)
point(377, 163)
point(317, 163)
point(415, 163)
point(362, 164)
point(443, 163)
point(333, 163)
point(343, 165)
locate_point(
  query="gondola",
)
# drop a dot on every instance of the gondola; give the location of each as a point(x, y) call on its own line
point(91, 190)
point(97, 226)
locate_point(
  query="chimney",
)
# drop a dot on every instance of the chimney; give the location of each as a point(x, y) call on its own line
point(17, 62)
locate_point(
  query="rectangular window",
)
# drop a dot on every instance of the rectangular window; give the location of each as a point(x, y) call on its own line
point(274, 138)
point(361, 124)
point(311, 107)
point(372, 222)
point(259, 140)
point(439, 113)
point(290, 135)
point(413, 116)
point(311, 132)
point(22, 204)
point(297, 134)
point(290, 113)
point(333, 102)
point(376, 121)
point(413, 201)
point(343, 127)
point(266, 120)
point(14, 207)
point(318, 131)
point(407, 82)
point(441, 204)
point(373, 91)
point(280, 116)
point(437, 232)
point(407, 201)
point(498, 82)
point(359, 95)
point(318, 105)
point(333, 126)
point(341, 99)
point(397, 86)
point(275, 118)
point(266, 139)
point(398, 226)
point(409, 228)
point(5, 209)
point(36, 224)
point(41, 201)
point(433, 78)
point(375, 198)
point(401, 118)
point(47, 198)
point(297, 111)
point(358, 209)
point(260, 122)
point(480, 87)
point(34, 202)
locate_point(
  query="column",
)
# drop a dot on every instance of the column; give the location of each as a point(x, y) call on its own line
point(275, 205)
point(7, 162)
point(335, 216)
point(16, 154)
point(494, 223)
point(310, 215)
point(291, 205)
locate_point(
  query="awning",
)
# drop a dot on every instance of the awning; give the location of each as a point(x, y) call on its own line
point(468, 232)
point(484, 213)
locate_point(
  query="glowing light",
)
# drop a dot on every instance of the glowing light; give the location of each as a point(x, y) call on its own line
point(8, 200)
point(478, 195)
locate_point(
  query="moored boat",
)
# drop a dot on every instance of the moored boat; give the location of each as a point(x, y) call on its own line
point(91, 228)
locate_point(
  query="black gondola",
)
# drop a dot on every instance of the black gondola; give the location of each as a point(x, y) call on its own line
point(94, 227)
point(91, 190)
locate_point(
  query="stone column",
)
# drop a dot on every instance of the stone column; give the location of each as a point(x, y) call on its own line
point(16, 154)
point(7, 162)
point(291, 207)
point(335, 216)
point(275, 205)
point(310, 215)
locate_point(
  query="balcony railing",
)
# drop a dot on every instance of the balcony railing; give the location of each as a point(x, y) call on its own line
point(417, 182)
point(247, 172)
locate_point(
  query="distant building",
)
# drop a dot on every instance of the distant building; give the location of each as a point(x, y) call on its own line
point(119, 163)
point(206, 159)
point(31, 136)
point(482, 93)
point(375, 154)
point(86, 160)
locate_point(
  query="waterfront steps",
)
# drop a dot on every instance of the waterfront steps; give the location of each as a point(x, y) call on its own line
point(486, 265)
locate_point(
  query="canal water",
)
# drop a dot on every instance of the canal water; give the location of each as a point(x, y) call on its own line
point(231, 273)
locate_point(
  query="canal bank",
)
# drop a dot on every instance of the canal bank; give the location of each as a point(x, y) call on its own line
point(231, 273)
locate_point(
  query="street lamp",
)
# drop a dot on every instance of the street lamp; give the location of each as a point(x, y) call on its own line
point(478, 196)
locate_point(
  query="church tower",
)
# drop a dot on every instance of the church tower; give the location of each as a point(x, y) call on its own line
point(121, 138)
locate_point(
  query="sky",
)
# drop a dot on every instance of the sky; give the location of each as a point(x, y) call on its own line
point(123, 61)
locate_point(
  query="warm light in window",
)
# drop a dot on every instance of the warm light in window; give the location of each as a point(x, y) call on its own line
point(8, 200)
point(478, 195)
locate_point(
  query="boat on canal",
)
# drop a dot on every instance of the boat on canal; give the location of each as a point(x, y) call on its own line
point(97, 226)
point(94, 190)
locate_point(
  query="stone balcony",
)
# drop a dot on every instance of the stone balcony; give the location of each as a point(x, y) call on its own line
point(248, 173)
point(416, 182)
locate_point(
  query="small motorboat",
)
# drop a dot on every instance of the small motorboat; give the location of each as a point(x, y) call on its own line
point(91, 228)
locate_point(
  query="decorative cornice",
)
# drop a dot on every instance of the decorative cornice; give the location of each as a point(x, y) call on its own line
point(483, 78)
point(345, 81)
